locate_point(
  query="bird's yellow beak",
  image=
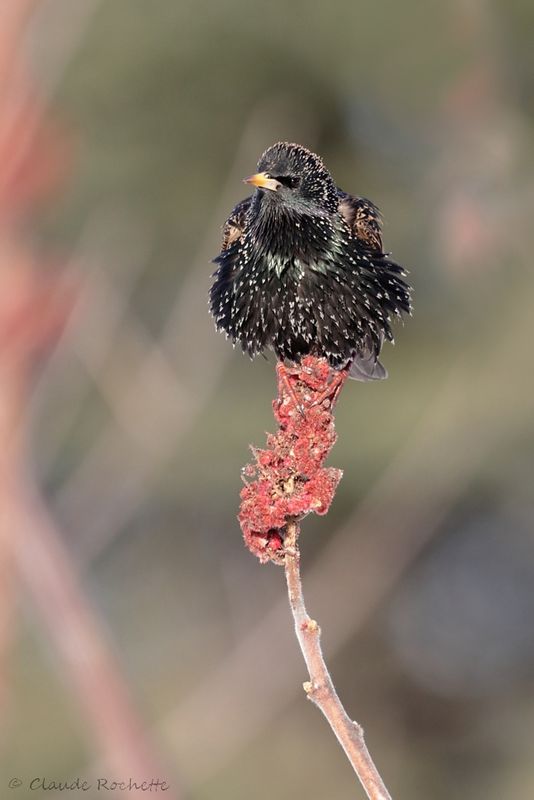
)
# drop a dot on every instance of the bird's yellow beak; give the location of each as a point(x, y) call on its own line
point(263, 181)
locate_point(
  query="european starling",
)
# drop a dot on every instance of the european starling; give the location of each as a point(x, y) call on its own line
point(302, 269)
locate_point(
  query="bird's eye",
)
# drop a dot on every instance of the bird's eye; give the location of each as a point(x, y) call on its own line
point(291, 181)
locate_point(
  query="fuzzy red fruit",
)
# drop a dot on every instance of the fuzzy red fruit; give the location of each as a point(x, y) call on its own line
point(287, 479)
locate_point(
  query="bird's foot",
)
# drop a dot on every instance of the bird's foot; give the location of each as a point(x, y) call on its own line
point(303, 388)
point(284, 383)
point(332, 391)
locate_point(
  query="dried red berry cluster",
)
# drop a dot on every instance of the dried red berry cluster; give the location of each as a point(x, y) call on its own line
point(287, 480)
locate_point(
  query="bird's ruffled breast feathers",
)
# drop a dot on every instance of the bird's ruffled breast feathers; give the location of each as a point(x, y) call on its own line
point(327, 293)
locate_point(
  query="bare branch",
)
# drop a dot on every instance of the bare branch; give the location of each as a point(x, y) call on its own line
point(320, 687)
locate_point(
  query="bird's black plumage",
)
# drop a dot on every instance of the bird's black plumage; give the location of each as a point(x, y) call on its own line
point(302, 269)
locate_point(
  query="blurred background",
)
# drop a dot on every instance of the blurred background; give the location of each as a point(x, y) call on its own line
point(137, 636)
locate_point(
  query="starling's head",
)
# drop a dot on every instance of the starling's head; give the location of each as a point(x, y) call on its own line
point(292, 175)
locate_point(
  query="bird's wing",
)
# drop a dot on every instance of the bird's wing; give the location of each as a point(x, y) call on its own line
point(235, 224)
point(363, 218)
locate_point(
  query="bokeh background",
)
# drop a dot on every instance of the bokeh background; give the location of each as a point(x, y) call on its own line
point(137, 636)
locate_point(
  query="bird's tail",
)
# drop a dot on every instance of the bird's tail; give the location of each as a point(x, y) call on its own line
point(367, 368)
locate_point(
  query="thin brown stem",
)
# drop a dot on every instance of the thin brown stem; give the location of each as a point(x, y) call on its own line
point(320, 687)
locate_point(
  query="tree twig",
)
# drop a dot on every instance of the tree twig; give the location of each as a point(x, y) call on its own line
point(320, 687)
point(287, 481)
